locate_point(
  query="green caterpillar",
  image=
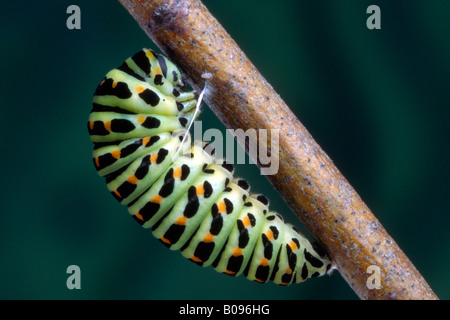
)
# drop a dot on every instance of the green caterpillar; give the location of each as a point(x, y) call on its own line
point(189, 199)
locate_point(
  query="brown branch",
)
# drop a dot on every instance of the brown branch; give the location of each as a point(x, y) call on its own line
point(308, 180)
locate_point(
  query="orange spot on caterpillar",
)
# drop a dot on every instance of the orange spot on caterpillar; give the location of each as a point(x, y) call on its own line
point(145, 140)
point(107, 126)
point(269, 235)
point(288, 270)
point(259, 280)
point(208, 238)
point(97, 162)
point(91, 125)
point(114, 84)
point(153, 158)
point(177, 173)
point(139, 89)
point(141, 119)
point(229, 272)
point(132, 179)
point(196, 259)
point(139, 216)
point(165, 240)
point(156, 199)
point(116, 154)
point(117, 193)
point(237, 252)
point(264, 262)
point(222, 207)
point(181, 221)
point(158, 70)
point(246, 221)
point(200, 190)
point(293, 245)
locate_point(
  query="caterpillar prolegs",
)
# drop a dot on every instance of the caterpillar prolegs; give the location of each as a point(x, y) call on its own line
point(190, 200)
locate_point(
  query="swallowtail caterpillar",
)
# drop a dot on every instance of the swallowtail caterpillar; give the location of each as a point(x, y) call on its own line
point(189, 199)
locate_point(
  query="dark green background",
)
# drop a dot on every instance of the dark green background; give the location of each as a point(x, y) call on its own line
point(377, 101)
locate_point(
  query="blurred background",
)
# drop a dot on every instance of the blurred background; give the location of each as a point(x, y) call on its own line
point(377, 101)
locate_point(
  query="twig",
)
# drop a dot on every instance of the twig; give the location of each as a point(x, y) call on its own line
point(307, 179)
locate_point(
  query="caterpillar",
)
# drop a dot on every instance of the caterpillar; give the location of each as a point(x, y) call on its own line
point(189, 199)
